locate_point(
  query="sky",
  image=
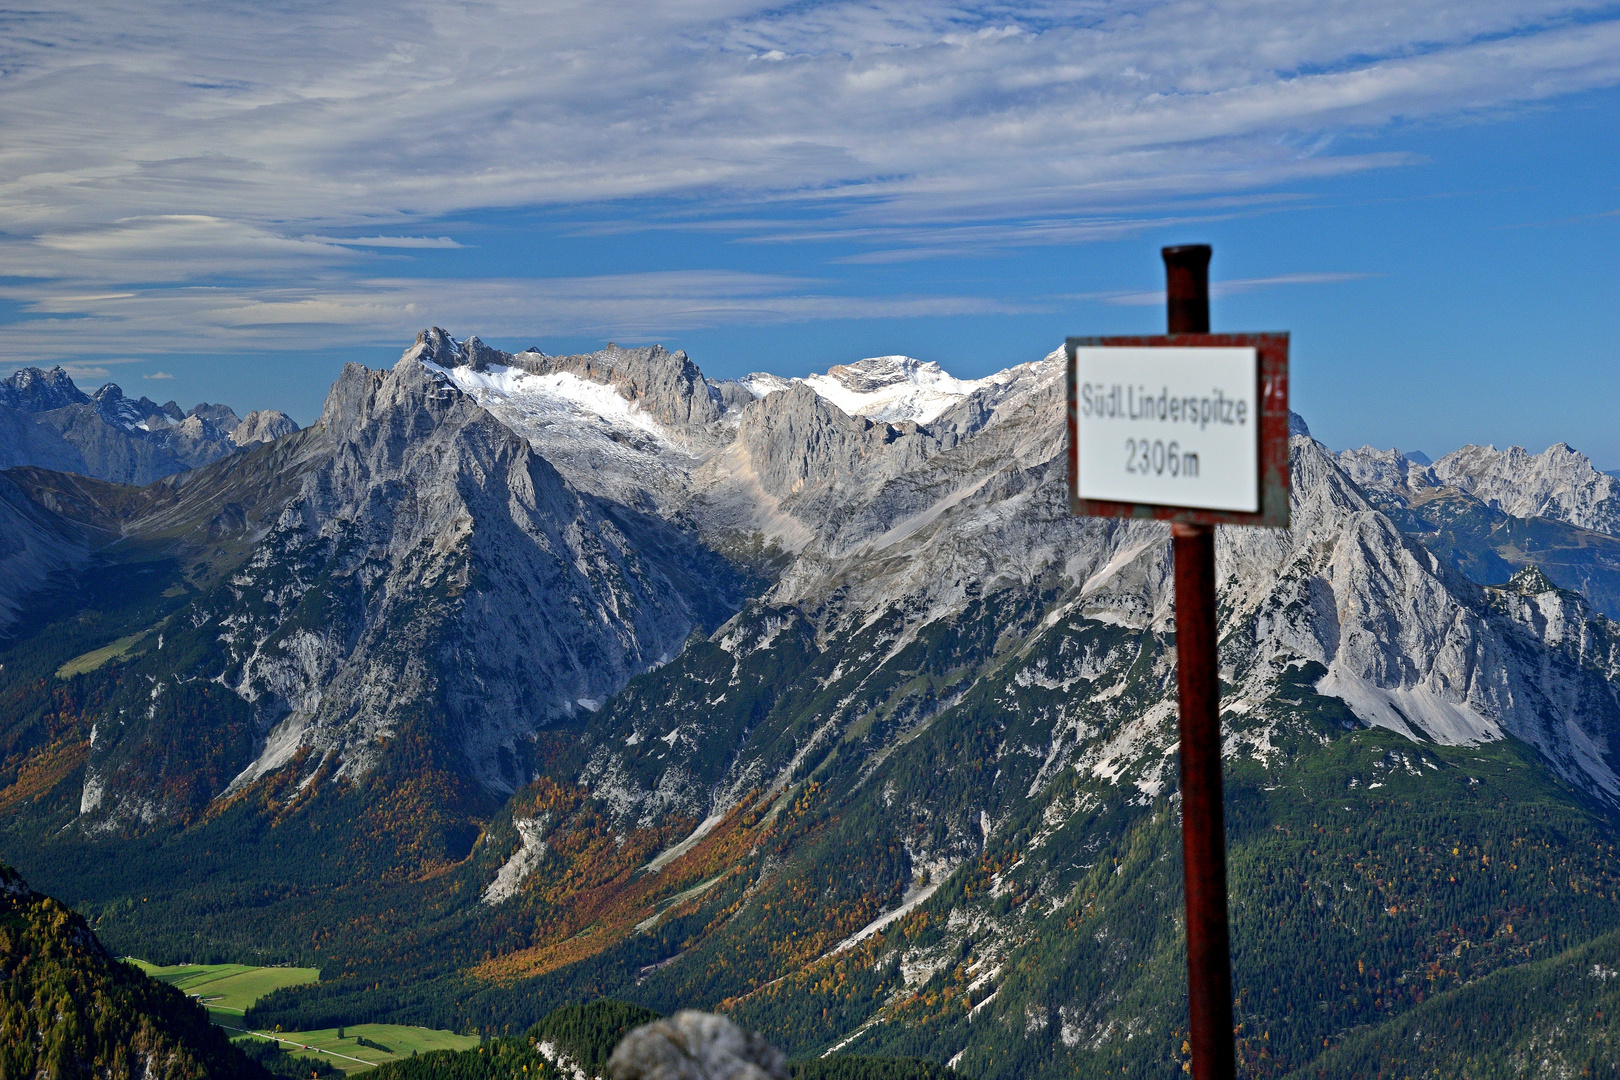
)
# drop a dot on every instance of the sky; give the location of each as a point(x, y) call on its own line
point(228, 201)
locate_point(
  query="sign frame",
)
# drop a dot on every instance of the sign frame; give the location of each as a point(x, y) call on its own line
point(1271, 354)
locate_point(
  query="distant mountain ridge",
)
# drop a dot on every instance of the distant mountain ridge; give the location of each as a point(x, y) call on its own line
point(47, 421)
point(1492, 513)
point(1559, 484)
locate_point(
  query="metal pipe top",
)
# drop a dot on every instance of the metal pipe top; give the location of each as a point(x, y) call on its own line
point(1186, 288)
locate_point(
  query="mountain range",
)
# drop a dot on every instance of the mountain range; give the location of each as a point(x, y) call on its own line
point(47, 421)
point(522, 679)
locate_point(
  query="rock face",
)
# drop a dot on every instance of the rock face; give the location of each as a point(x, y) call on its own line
point(47, 421)
point(496, 588)
point(422, 574)
point(695, 1046)
point(1490, 514)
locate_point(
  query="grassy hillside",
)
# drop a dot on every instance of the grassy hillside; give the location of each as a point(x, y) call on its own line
point(228, 991)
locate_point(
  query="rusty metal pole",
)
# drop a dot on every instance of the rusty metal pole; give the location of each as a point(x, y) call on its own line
point(1203, 824)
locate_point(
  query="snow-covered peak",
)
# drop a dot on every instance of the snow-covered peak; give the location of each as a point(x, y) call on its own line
point(892, 388)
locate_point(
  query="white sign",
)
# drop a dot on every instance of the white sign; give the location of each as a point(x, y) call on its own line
point(1169, 426)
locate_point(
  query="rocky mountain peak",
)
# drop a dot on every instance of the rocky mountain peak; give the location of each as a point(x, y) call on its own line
point(435, 346)
point(1385, 470)
point(797, 439)
point(35, 390)
point(466, 574)
point(666, 385)
point(221, 418)
point(262, 426)
point(119, 410)
point(1530, 581)
point(593, 414)
point(877, 372)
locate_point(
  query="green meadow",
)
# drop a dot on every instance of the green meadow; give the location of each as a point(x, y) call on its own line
point(227, 991)
point(398, 1043)
point(90, 661)
point(228, 988)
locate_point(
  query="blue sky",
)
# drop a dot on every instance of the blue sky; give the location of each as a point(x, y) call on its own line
point(228, 201)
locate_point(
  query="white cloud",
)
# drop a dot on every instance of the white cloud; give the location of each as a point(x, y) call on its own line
point(193, 142)
point(158, 375)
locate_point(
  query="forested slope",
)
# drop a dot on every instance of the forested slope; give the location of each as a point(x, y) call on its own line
point(69, 1009)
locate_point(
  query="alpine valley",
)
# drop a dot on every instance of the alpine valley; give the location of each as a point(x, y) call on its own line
point(519, 681)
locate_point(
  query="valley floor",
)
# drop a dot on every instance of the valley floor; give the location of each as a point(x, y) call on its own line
point(229, 990)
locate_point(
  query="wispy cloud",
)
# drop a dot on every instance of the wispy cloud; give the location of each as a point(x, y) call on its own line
point(192, 143)
point(372, 310)
point(415, 242)
point(158, 375)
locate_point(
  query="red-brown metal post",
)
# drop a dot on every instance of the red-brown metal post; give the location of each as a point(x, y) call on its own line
point(1203, 824)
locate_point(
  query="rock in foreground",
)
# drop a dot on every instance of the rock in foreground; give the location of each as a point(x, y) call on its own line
point(695, 1045)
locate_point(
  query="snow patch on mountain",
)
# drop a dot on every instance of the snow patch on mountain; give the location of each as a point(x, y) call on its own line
point(887, 389)
point(538, 398)
point(760, 383)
